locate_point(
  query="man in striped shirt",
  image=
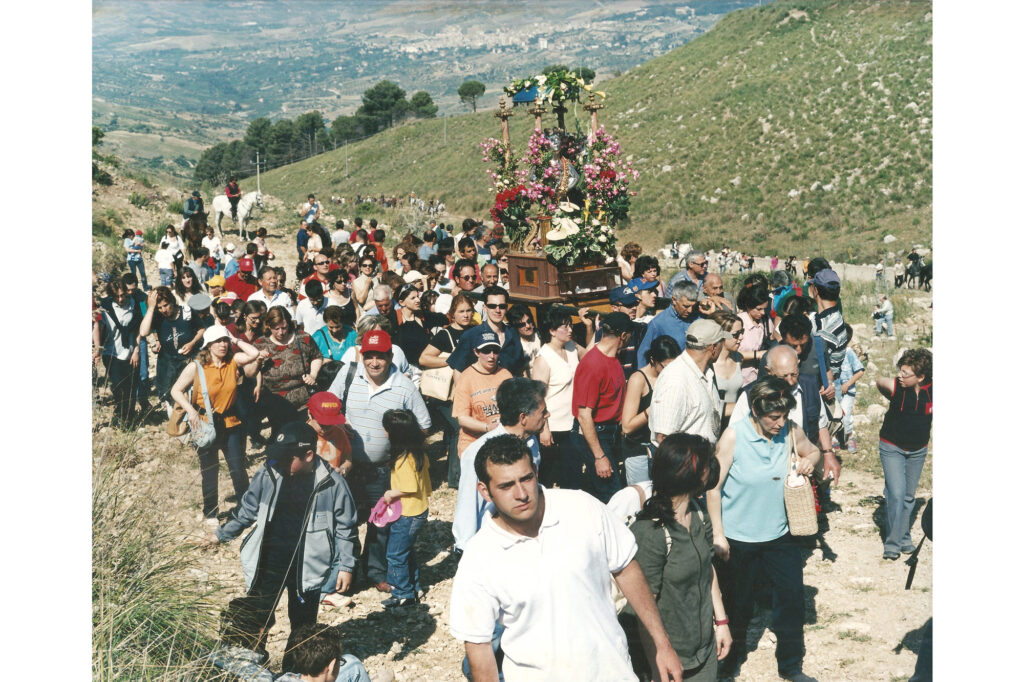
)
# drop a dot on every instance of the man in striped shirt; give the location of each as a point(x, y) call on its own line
point(368, 389)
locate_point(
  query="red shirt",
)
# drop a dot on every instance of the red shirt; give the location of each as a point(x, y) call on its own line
point(243, 289)
point(600, 384)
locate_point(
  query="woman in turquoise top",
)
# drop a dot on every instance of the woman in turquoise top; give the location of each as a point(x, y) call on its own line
point(335, 337)
point(751, 533)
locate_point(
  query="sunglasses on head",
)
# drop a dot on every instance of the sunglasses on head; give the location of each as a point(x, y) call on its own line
point(496, 306)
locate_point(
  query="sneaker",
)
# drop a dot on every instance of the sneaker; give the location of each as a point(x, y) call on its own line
point(835, 443)
point(851, 445)
point(891, 556)
point(211, 522)
point(395, 602)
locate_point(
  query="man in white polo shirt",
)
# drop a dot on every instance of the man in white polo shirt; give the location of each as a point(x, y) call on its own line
point(685, 397)
point(269, 294)
point(540, 567)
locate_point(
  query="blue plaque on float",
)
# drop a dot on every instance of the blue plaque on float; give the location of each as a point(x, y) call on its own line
point(525, 96)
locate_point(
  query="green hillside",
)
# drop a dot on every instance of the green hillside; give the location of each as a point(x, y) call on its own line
point(796, 127)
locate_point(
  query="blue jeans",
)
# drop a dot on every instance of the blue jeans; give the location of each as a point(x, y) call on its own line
point(582, 471)
point(232, 443)
point(142, 385)
point(902, 470)
point(886, 321)
point(139, 269)
point(636, 462)
point(403, 571)
point(166, 277)
point(450, 426)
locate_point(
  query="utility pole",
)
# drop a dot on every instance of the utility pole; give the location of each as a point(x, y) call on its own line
point(346, 157)
point(445, 117)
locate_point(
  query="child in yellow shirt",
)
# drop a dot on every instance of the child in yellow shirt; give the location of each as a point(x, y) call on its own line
point(410, 482)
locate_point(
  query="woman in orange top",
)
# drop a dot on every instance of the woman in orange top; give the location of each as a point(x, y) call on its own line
point(221, 363)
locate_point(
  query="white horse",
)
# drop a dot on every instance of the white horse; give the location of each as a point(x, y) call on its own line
point(222, 207)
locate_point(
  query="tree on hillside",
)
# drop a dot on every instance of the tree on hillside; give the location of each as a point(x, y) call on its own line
point(208, 166)
point(283, 142)
point(586, 73)
point(307, 126)
point(345, 128)
point(97, 136)
point(257, 135)
point(470, 92)
point(385, 102)
point(422, 105)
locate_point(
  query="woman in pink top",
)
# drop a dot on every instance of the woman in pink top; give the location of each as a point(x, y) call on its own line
point(753, 302)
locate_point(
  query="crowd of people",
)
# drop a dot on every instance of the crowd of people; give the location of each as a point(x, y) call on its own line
point(647, 444)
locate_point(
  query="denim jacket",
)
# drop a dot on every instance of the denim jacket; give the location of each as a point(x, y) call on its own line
point(326, 546)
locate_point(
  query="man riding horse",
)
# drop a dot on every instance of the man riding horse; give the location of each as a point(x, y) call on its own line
point(234, 193)
point(193, 206)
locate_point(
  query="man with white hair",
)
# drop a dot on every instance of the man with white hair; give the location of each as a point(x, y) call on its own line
point(383, 305)
point(695, 271)
point(685, 397)
point(809, 413)
point(672, 321)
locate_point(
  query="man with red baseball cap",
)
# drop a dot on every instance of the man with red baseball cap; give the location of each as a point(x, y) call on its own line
point(367, 390)
point(243, 282)
point(332, 440)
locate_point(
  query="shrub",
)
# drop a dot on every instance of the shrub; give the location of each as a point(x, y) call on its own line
point(368, 208)
point(138, 200)
point(150, 620)
point(176, 206)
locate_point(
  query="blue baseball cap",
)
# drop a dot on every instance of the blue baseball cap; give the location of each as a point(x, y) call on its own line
point(623, 296)
point(640, 284)
point(488, 339)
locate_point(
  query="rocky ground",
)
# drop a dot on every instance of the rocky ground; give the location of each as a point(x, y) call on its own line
point(861, 623)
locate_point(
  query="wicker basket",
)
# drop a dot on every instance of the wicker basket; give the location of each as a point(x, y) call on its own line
point(798, 496)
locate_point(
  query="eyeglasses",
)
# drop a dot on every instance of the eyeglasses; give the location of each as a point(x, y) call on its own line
point(701, 264)
point(907, 375)
point(524, 323)
point(496, 306)
point(490, 350)
point(469, 277)
point(737, 334)
point(366, 265)
point(321, 262)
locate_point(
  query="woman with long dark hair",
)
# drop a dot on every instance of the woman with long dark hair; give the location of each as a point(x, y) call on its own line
point(636, 408)
point(675, 547)
point(410, 483)
point(758, 328)
point(186, 284)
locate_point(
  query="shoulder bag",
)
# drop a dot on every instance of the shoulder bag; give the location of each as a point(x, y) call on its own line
point(798, 496)
point(206, 433)
point(833, 410)
point(439, 382)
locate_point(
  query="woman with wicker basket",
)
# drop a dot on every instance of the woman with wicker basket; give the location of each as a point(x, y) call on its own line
point(752, 531)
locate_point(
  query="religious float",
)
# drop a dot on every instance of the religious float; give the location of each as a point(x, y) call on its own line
point(560, 200)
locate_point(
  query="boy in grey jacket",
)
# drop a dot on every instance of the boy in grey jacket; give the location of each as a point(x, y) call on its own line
point(305, 528)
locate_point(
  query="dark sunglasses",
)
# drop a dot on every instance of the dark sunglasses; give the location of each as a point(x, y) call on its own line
point(321, 262)
point(490, 350)
point(496, 306)
point(524, 323)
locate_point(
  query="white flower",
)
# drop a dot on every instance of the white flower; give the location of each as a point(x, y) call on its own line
point(604, 228)
point(565, 227)
point(540, 79)
point(602, 239)
point(568, 207)
point(595, 223)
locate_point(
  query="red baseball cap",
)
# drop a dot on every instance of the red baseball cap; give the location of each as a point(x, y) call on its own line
point(378, 341)
point(245, 264)
point(325, 408)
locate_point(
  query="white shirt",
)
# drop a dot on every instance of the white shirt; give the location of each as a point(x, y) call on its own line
point(339, 237)
point(213, 244)
point(309, 317)
point(114, 345)
point(552, 593)
point(278, 299)
point(626, 504)
point(742, 409)
point(164, 259)
point(686, 400)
